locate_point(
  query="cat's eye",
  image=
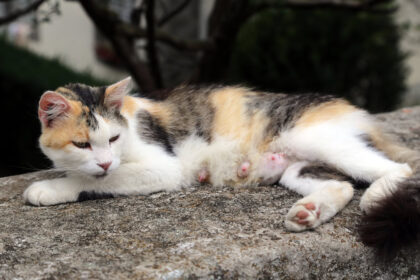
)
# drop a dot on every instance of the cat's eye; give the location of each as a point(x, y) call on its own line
point(82, 145)
point(113, 139)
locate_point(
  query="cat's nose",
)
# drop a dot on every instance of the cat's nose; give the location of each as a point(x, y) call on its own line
point(105, 165)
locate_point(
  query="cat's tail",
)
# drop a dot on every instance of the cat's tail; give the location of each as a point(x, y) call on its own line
point(394, 221)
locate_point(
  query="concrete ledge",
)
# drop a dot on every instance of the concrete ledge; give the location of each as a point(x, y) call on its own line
point(203, 232)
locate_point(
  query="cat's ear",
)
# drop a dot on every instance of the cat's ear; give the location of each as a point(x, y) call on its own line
point(52, 106)
point(114, 94)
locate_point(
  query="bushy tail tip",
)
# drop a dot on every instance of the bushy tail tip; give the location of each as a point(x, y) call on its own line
point(394, 222)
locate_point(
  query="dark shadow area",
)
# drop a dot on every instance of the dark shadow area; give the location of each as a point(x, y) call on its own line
point(24, 76)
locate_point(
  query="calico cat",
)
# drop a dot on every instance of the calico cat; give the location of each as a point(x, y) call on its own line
point(110, 143)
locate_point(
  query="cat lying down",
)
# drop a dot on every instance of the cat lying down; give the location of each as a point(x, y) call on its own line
point(111, 144)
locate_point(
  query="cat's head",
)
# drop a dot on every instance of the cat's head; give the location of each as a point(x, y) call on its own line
point(83, 130)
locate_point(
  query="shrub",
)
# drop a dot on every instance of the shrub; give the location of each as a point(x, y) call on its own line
point(354, 55)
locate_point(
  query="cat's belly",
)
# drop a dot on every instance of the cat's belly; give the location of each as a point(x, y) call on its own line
point(220, 158)
point(219, 162)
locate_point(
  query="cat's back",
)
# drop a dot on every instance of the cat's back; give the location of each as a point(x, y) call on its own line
point(228, 111)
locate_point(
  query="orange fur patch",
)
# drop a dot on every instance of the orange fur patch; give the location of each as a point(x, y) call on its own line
point(161, 111)
point(231, 119)
point(324, 112)
point(67, 129)
point(66, 90)
point(129, 105)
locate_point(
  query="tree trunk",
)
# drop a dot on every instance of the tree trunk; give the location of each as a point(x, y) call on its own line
point(107, 22)
point(224, 24)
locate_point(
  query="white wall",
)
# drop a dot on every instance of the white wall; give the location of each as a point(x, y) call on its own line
point(70, 37)
point(411, 41)
point(411, 44)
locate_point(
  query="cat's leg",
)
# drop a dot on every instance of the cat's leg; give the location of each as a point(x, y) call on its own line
point(365, 163)
point(344, 149)
point(324, 195)
point(128, 179)
point(55, 191)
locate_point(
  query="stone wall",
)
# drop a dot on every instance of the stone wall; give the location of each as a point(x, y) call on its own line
point(202, 232)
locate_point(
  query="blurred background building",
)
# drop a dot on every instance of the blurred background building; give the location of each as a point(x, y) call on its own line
point(409, 13)
point(369, 55)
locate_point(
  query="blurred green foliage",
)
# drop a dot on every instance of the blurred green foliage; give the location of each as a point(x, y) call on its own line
point(21, 66)
point(354, 55)
point(24, 76)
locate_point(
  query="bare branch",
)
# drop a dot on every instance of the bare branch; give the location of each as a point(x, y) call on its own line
point(151, 43)
point(107, 21)
point(164, 37)
point(173, 13)
point(136, 14)
point(20, 12)
point(225, 21)
point(133, 31)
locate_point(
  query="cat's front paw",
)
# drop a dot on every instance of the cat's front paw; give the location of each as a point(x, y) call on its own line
point(303, 216)
point(41, 194)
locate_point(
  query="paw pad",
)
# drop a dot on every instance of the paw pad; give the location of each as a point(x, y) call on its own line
point(303, 216)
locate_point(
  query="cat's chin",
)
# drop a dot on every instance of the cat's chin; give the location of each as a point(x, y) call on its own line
point(100, 176)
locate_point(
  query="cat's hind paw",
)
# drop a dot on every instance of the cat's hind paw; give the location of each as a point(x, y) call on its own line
point(303, 216)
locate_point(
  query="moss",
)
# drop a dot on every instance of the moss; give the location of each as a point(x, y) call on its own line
point(20, 66)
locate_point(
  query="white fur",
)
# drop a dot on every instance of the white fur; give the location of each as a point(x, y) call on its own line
point(328, 201)
point(85, 161)
point(142, 168)
point(384, 186)
point(270, 167)
point(303, 186)
point(328, 196)
point(338, 143)
point(137, 167)
point(222, 158)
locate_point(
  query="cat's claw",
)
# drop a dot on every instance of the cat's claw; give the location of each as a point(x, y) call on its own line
point(303, 216)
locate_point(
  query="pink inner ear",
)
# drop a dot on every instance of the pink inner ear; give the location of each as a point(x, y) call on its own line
point(51, 106)
point(115, 104)
point(114, 94)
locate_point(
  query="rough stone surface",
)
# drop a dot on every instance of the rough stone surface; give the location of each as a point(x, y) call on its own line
point(201, 232)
